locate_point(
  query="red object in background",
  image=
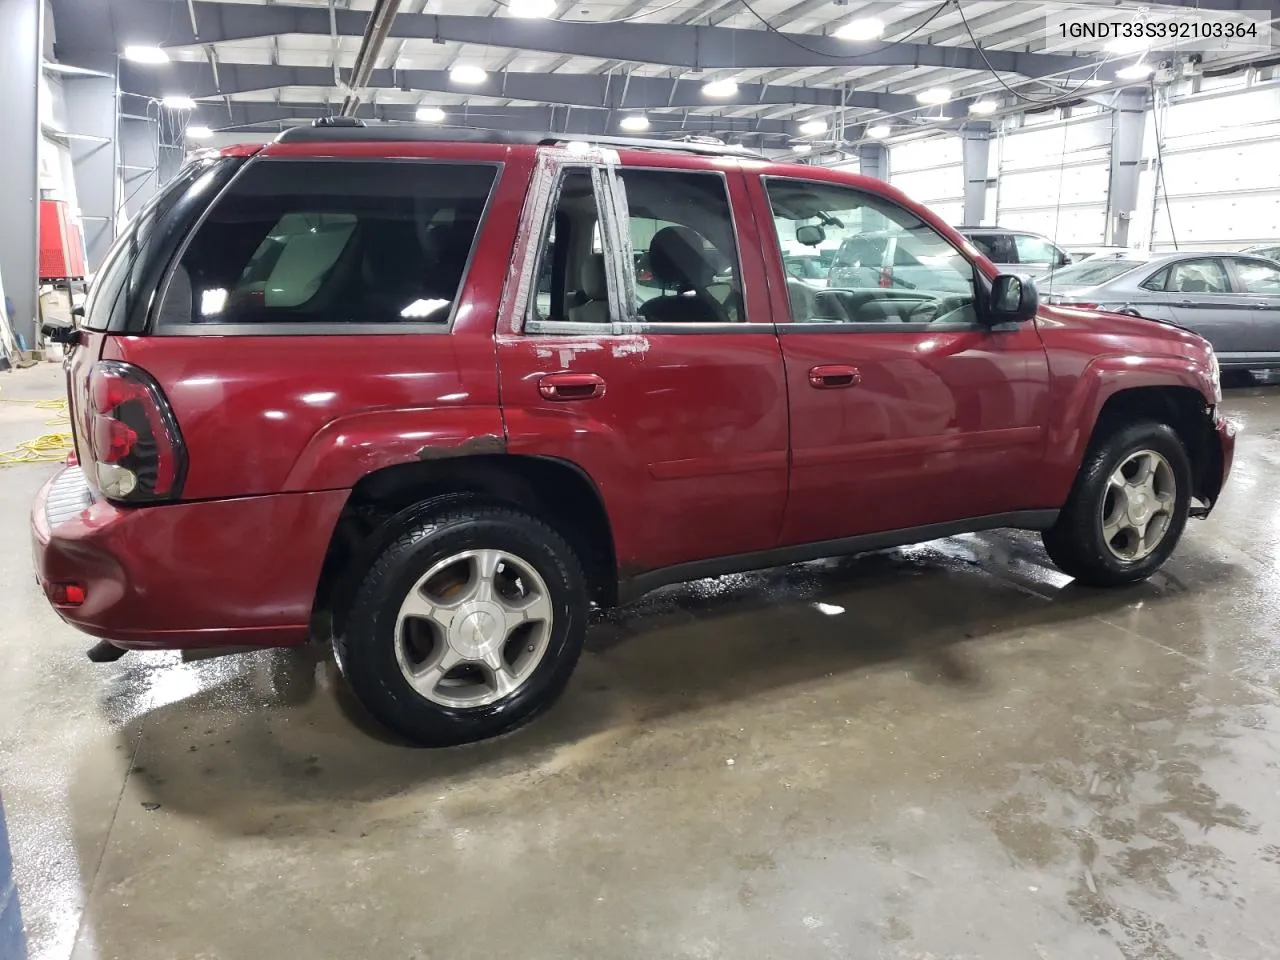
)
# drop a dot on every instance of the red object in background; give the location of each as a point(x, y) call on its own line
point(61, 246)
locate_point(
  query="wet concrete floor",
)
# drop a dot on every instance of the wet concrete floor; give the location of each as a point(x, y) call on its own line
point(947, 751)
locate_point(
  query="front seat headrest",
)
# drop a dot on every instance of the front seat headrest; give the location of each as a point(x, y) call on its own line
point(594, 283)
point(678, 258)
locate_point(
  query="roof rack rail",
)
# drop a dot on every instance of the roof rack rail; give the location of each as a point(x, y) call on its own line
point(648, 143)
point(353, 128)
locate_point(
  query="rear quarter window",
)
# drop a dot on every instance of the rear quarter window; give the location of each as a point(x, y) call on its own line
point(294, 242)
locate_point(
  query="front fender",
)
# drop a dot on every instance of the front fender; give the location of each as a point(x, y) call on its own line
point(349, 448)
point(1078, 405)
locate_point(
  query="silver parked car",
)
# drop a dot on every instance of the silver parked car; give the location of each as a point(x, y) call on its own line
point(1230, 299)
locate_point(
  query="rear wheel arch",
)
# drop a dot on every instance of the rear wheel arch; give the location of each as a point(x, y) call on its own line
point(383, 502)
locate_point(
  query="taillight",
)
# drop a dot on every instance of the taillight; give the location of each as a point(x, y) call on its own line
point(886, 276)
point(137, 450)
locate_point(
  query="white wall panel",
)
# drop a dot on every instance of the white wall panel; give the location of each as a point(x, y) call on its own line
point(1221, 162)
point(1053, 179)
point(931, 172)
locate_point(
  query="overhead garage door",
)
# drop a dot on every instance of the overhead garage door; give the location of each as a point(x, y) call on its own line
point(931, 172)
point(1053, 178)
point(1221, 162)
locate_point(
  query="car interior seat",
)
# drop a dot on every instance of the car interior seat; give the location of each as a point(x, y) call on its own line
point(593, 291)
point(678, 260)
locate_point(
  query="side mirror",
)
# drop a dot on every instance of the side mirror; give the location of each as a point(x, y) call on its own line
point(810, 235)
point(1013, 299)
point(77, 311)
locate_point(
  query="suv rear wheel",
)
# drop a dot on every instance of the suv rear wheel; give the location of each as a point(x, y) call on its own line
point(1127, 509)
point(465, 627)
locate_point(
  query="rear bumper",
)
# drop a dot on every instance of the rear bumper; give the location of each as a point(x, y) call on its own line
point(239, 572)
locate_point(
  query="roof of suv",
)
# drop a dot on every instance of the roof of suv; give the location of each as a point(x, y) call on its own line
point(343, 130)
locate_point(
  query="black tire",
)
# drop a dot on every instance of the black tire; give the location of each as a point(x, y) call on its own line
point(365, 650)
point(1076, 543)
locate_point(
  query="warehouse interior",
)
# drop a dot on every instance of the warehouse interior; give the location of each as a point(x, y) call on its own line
point(940, 749)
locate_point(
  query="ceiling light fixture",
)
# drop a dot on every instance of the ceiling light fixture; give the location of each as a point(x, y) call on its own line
point(879, 130)
point(198, 132)
point(813, 127)
point(146, 55)
point(934, 95)
point(177, 102)
point(637, 121)
point(468, 74)
point(1123, 45)
point(983, 107)
point(1137, 71)
point(860, 28)
point(720, 88)
point(531, 9)
point(429, 115)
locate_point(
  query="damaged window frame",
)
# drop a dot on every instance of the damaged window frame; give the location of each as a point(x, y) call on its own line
point(614, 227)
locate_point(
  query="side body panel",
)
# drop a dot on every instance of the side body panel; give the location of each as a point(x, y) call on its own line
point(939, 425)
point(265, 413)
point(1091, 358)
point(687, 444)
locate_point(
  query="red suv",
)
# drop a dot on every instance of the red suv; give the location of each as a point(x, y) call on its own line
point(408, 389)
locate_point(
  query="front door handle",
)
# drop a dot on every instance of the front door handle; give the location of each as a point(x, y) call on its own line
point(833, 376)
point(571, 386)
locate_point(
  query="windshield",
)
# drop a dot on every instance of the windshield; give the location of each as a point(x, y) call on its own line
point(1091, 272)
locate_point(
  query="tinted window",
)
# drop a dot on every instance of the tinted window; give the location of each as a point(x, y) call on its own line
point(1197, 276)
point(326, 242)
point(1034, 249)
point(996, 247)
point(1157, 281)
point(121, 268)
point(927, 278)
point(682, 222)
point(1257, 277)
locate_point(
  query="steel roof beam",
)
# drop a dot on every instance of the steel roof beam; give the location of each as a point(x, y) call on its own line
point(81, 27)
point(198, 80)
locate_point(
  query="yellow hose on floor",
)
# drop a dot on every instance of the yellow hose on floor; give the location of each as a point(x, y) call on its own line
point(46, 448)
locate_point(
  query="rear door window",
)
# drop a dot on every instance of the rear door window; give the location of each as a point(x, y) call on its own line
point(322, 242)
point(1034, 249)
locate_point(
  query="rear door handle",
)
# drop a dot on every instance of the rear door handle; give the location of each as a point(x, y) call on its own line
point(571, 386)
point(833, 376)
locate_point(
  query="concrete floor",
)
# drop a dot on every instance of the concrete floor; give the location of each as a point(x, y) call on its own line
point(940, 752)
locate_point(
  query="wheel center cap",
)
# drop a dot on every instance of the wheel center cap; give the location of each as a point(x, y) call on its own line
point(477, 632)
point(1139, 507)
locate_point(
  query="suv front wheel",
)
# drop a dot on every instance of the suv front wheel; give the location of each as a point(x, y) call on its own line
point(465, 627)
point(1127, 509)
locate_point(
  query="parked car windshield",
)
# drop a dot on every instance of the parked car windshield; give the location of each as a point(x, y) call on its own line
point(1091, 272)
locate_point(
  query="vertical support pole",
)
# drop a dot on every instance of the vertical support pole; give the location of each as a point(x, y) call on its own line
point(91, 104)
point(1129, 119)
point(139, 162)
point(977, 157)
point(21, 43)
point(873, 160)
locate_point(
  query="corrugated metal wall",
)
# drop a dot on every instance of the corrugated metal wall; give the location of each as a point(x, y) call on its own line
point(1053, 178)
point(1221, 170)
point(931, 171)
